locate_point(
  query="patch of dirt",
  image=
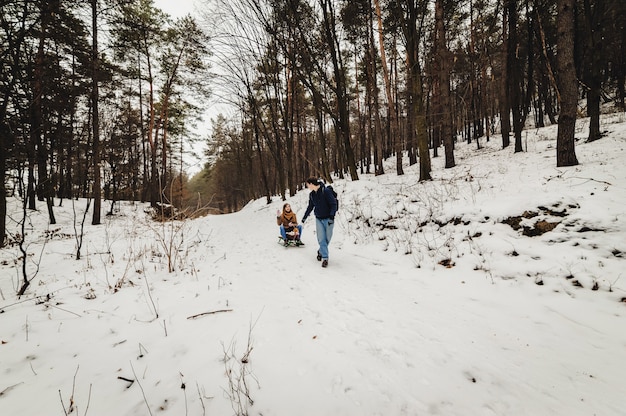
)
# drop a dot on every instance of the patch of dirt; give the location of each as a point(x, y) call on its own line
point(447, 263)
point(542, 221)
point(541, 227)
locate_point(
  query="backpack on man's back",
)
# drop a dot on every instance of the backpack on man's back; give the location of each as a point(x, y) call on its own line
point(335, 195)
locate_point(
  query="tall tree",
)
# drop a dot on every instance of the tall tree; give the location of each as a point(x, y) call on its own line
point(442, 75)
point(617, 37)
point(183, 65)
point(45, 138)
point(14, 23)
point(474, 129)
point(595, 20)
point(139, 32)
point(415, 87)
point(504, 98)
point(374, 100)
point(568, 84)
point(357, 18)
point(546, 83)
point(95, 117)
point(514, 71)
point(391, 107)
point(339, 86)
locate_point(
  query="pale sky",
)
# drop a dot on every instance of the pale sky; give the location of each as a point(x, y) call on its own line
point(176, 8)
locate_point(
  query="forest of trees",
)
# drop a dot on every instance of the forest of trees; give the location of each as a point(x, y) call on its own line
point(99, 99)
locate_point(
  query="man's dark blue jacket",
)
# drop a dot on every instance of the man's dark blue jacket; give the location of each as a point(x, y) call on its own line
point(323, 201)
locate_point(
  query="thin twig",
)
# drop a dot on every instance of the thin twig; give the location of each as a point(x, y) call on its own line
point(201, 401)
point(208, 313)
point(62, 405)
point(88, 400)
point(156, 312)
point(8, 389)
point(591, 180)
point(140, 386)
point(127, 380)
point(35, 298)
point(73, 389)
point(64, 310)
point(184, 387)
point(142, 349)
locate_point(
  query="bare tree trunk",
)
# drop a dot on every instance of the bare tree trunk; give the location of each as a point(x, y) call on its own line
point(393, 117)
point(153, 191)
point(568, 86)
point(545, 100)
point(594, 21)
point(343, 119)
point(364, 154)
point(37, 133)
point(257, 141)
point(416, 93)
point(145, 183)
point(4, 139)
point(320, 148)
point(514, 72)
point(373, 112)
point(530, 70)
point(505, 106)
point(443, 74)
point(97, 186)
point(410, 119)
point(373, 98)
point(290, 112)
point(621, 68)
point(474, 119)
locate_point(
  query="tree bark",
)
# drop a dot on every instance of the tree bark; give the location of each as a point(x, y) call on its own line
point(373, 109)
point(594, 21)
point(97, 186)
point(416, 93)
point(568, 86)
point(514, 72)
point(4, 139)
point(443, 74)
point(505, 106)
point(340, 88)
point(257, 141)
point(393, 117)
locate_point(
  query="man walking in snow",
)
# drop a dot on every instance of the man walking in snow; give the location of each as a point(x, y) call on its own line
point(324, 202)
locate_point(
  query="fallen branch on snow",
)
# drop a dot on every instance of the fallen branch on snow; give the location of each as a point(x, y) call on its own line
point(8, 389)
point(208, 313)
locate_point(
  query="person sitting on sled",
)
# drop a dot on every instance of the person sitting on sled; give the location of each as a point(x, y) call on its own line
point(289, 225)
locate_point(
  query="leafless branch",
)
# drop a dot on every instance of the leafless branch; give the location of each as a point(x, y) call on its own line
point(208, 313)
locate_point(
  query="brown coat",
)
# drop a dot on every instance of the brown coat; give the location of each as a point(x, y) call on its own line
point(287, 220)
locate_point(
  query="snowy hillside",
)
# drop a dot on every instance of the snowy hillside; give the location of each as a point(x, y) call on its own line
point(498, 288)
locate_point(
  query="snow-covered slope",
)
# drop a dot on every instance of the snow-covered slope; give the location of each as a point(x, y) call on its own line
point(434, 302)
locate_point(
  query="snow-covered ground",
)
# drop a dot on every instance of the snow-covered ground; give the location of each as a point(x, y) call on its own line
point(432, 304)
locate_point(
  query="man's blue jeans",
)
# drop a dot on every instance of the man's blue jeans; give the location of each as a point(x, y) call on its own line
point(324, 228)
